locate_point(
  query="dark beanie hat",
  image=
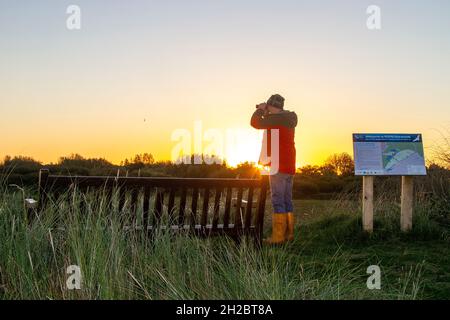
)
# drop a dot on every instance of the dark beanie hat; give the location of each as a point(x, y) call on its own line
point(276, 101)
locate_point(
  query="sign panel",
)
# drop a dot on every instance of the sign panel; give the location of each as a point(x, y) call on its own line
point(388, 154)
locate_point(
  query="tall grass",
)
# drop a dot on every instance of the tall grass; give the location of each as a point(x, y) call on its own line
point(328, 259)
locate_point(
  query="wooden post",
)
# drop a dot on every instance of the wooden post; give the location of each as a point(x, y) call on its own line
point(43, 177)
point(407, 203)
point(367, 218)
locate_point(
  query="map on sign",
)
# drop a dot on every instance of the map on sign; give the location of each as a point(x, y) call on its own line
point(388, 154)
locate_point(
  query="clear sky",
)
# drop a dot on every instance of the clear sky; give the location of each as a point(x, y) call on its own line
point(138, 70)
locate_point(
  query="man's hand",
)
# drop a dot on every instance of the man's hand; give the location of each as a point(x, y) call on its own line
point(261, 106)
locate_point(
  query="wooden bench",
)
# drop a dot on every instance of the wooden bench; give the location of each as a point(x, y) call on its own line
point(172, 203)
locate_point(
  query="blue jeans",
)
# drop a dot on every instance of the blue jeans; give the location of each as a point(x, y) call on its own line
point(281, 192)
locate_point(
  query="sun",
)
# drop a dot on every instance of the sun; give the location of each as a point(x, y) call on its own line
point(246, 149)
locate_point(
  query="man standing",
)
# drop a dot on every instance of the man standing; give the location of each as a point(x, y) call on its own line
point(269, 116)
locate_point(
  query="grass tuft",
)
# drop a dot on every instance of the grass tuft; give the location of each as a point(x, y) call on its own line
point(327, 260)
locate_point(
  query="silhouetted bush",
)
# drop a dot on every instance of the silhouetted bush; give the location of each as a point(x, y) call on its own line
point(318, 182)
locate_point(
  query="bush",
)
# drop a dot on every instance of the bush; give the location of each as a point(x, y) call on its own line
point(304, 188)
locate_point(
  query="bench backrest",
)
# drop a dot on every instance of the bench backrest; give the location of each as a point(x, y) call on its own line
point(205, 206)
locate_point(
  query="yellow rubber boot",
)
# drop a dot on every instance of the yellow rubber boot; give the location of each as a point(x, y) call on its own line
point(290, 226)
point(279, 225)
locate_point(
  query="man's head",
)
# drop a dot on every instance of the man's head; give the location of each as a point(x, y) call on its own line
point(275, 103)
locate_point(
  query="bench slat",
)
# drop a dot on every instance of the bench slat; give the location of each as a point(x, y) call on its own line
point(134, 203)
point(159, 202)
point(226, 216)
point(248, 211)
point(238, 210)
point(109, 199)
point(122, 194)
point(182, 206)
point(171, 205)
point(145, 215)
point(216, 208)
point(205, 207)
point(194, 206)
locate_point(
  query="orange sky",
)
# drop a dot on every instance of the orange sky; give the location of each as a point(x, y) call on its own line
point(89, 91)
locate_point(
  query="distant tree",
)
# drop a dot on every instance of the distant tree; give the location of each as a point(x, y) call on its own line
point(72, 158)
point(76, 160)
point(19, 159)
point(6, 159)
point(210, 159)
point(139, 161)
point(247, 170)
point(341, 163)
point(441, 149)
point(310, 171)
point(327, 170)
point(147, 158)
point(21, 164)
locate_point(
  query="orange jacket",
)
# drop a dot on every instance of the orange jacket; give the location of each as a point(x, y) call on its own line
point(285, 121)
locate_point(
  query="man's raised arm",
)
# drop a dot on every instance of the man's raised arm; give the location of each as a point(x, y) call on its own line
point(261, 120)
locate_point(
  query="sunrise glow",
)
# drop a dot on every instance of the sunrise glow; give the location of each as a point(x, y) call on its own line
point(131, 76)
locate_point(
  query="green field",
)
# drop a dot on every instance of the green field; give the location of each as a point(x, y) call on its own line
point(327, 260)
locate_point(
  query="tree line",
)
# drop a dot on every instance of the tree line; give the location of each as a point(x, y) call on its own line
point(335, 175)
